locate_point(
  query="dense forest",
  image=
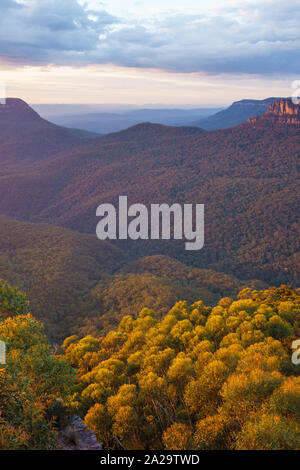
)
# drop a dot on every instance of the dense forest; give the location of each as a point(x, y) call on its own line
point(246, 176)
point(77, 283)
point(31, 379)
point(199, 378)
point(154, 347)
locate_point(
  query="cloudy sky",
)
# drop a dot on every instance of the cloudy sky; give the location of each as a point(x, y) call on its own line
point(171, 52)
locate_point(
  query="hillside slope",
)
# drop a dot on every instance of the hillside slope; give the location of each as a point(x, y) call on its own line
point(247, 177)
point(77, 283)
point(25, 136)
point(104, 122)
point(56, 268)
point(238, 113)
point(155, 282)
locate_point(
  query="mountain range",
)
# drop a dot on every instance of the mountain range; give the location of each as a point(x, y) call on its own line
point(77, 283)
point(52, 180)
point(104, 122)
point(237, 113)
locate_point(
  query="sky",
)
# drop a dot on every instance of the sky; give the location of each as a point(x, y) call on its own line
point(187, 53)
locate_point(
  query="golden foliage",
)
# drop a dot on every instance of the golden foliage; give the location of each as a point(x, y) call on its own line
point(200, 377)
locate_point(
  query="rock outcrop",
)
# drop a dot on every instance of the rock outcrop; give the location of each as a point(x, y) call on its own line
point(282, 112)
point(76, 436)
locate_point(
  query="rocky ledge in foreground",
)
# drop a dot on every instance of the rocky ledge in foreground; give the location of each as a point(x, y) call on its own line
point(76, 436)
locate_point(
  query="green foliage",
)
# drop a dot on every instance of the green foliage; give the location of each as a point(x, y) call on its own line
point(12, 301)
point(248, 177)
point(57, 268)
point(29, 381)
point(269, 432)
point(178, 437)
point(78, 284)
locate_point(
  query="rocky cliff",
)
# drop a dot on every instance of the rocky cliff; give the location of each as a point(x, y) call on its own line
point(76, 436)
point(282, 111)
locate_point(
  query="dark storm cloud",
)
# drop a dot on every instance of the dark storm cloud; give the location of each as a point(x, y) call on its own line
point(49, 30)
point(248, 37)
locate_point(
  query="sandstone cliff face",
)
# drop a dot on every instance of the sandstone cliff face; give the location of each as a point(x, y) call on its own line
point(282, 111)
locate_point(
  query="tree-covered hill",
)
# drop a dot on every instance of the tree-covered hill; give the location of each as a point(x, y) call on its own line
point(155, 282)
point(237, 113)
point(198, 378)
point(31, 379)
point(201, 377)
point(76, 283)
point(247, 177)
point(26, 137)
point(56, 267)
